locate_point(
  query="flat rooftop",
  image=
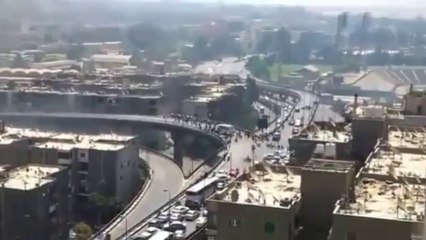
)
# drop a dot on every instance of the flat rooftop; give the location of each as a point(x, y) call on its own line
point(378, 199)
point(30, 177)
point(404, 164)
point(406, 137)
point(329, 165)
point(328, 136)
point(69, 145)
point(103, 137)
point(267, 190)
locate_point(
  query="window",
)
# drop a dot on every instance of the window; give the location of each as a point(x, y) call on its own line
point(64, 155)
point(84, 166)
point(351, 236)
point(121, 177)
point(269, 227)
point(235, 223)
point(82, 155)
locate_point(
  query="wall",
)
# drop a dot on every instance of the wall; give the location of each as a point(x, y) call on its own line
point(371, 228)
point(252, 220)
point(365, 132)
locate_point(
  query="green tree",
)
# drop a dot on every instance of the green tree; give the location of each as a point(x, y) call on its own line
point(82, 231)
point(258, 67)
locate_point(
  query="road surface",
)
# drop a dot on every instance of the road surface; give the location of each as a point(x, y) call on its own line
point(167, 175)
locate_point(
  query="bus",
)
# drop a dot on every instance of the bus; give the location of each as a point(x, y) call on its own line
point(195, 195)
point(298, 123)
point(162, 235)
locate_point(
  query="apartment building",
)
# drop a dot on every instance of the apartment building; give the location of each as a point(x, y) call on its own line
point(257, 205)
point(35, 202)
point(324, 140)
point(323, 182)
point(389, 200)
point(104, 163)
point(380, 210)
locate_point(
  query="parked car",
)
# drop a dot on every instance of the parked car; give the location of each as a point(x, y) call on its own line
point(148, 232)
point(156, 222)
point(179, 234)
point(174, 226)
point(191, 215)
point(268, 156)
point(200, 221)
point(176, 217)
point(164, 216)
point(180, 209)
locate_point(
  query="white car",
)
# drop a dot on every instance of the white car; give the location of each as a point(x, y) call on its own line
point(180, 209)
point(148, 232)
point(179, 234)
point(200, 221)
point(268, 156)
point(220, 185)
point(222, 176)
point(176, 217)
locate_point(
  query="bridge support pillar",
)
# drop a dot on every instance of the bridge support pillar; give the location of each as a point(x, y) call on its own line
point(178, 148)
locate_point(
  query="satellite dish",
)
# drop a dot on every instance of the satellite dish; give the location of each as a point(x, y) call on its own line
point(234, 195)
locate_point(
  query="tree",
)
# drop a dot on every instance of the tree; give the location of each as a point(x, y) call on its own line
point(105, 206)
point(258, 67)
point(82, 231)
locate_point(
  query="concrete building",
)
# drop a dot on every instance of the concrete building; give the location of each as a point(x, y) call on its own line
point(260, 205)
point(35, 202)
point(415, 101)
point(380, 210)
point(105, 163)
point(323, 183)
point(321, 140)
point(399, 158)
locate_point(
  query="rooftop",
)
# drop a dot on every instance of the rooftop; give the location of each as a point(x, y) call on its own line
point(68, 145)
point(329, 165)
point(273, 190)
point(388, 163)
point(30, 177)
point(326, 132)
point(406, 137)
point(386, 200)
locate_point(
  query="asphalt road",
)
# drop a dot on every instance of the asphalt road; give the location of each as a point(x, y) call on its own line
point(167, 175)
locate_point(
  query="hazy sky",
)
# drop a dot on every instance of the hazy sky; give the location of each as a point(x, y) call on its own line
point(330, 2)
